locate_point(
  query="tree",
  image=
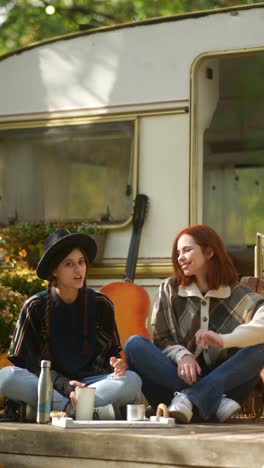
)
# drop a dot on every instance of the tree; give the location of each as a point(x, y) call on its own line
point(23, 22)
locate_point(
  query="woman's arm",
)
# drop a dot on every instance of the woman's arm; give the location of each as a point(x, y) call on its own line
point(162, 322)
point(165, 335)
point(24, 350)
point(107, 327)
point(248, 334)
point(62, 384)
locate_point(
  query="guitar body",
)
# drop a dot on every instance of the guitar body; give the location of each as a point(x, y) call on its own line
point(131, 304)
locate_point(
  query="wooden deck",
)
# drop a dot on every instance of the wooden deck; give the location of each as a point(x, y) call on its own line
point(230, 445)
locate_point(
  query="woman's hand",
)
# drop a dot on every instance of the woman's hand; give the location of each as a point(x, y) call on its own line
point(119, 366)
point(208, 337)
point(188, 369)
point(262, 375)
point(72, 395)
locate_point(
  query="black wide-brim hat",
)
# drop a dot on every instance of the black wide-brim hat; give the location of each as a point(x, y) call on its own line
point(59, 240)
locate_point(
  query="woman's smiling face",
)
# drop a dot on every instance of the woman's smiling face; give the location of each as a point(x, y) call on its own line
point(191, 259)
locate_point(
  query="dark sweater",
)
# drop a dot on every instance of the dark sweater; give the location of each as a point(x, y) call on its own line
point(66, 339)
point(67, 336)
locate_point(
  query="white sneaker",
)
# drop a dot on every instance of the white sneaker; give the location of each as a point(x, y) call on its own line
point(107, 412)
point(226, 409)
point(181, 408)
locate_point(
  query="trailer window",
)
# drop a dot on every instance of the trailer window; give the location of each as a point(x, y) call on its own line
point(233, 150)
point(229, 143)
point(233, 202)
point(70, 173)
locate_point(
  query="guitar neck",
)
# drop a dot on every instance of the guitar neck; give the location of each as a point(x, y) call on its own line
point(132, 256)
point(138, 220)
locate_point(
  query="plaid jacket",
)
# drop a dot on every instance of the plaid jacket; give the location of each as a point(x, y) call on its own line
point(27, 343)
point(177, 315)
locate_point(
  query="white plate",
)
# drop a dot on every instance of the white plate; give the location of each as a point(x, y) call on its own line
point(69, 423)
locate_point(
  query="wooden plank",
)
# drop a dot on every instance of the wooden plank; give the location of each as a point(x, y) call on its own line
point(223, 446)
point(21, 461)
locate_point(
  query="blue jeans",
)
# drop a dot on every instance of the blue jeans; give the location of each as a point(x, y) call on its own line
point(21, 385)
point(234, 378)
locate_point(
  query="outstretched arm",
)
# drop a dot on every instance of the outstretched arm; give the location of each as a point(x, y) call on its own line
point(247, 334)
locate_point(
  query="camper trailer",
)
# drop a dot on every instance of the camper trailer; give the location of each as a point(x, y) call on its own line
point(172, 108)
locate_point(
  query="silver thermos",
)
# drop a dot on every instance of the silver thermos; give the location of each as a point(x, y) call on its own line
point(45, 394)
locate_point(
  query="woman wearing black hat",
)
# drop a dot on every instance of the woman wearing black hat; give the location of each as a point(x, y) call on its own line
point(74, 327)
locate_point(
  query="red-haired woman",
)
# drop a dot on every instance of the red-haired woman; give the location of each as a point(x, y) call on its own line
point(208, 344)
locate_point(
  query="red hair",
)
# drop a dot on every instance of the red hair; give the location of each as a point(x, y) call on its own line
point(221, 271)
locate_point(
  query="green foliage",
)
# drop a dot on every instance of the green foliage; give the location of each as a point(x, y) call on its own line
point(10, 305)
point(26, 21)
point(16, 286)
point(23, 281)
point(22, 244)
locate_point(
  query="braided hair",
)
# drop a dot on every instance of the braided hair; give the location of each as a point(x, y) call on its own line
point(46, 322)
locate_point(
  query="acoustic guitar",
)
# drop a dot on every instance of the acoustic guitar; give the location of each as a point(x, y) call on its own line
point(131, 301)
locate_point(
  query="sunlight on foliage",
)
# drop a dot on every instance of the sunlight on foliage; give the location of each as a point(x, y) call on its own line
point(26, 21)
point(22, 244)
point(10, 305)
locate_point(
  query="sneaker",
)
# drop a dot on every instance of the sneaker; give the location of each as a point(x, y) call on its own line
point(107, 412)
point(181, 408)
point(226, 409)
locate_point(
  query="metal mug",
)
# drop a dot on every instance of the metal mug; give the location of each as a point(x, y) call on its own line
point(135, 412)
